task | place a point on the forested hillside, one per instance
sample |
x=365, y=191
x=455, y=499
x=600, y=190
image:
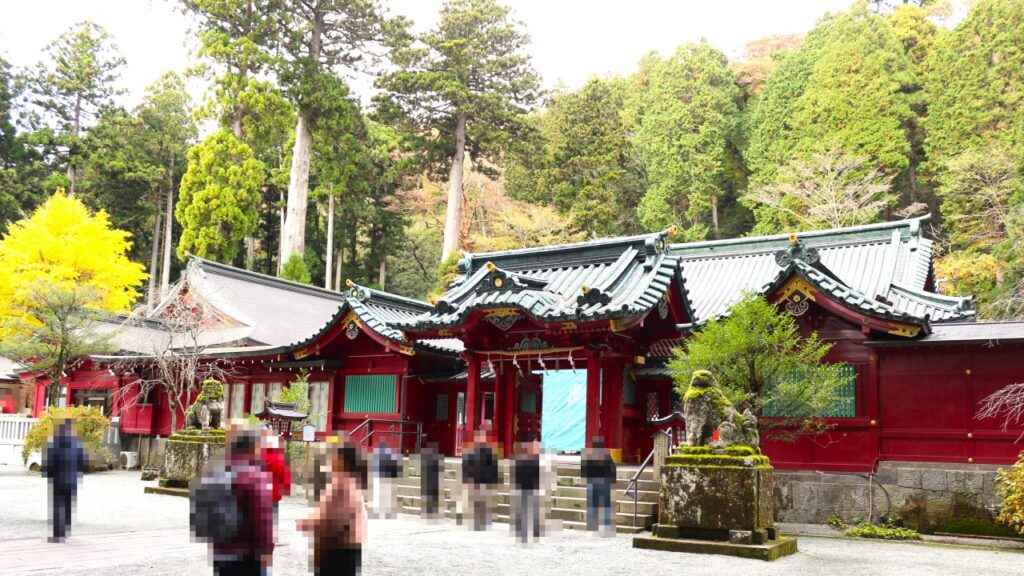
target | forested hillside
x=884, y=111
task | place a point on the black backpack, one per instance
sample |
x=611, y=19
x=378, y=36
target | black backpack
x=215, y=514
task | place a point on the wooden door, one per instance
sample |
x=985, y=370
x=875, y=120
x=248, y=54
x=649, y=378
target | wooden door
x=528, y=407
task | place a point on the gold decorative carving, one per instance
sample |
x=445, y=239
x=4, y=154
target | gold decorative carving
x=906, y=330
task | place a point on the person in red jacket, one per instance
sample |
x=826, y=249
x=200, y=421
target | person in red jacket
x=274, y=462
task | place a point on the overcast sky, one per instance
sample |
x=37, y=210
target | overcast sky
x=571, y=39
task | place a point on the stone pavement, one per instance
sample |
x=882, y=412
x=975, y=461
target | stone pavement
x=119, y=530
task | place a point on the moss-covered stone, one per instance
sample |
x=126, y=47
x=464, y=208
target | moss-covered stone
x=772, y=550
x=716, y=497
x=187, y=457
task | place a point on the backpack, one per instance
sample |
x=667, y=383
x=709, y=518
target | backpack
x=215, y=514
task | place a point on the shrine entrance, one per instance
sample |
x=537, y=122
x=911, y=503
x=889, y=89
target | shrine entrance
x=529, y=407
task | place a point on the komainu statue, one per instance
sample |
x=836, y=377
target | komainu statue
x=205, y=413
x=706, y=408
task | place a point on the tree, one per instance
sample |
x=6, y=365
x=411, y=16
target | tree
x=218, y=196
x=850, y=86
x=982, y=196
x=584, y=161
x=761, y=362
x=320, y=38
x=170, y=352
x=688, y=117
x=974, y=84
x=50, y=328
x=295, y=269
x=166, y=114
x=237, y=40
x=21, y=167
x=73, y=81
x=465, y=86
x=826, y=190
x=64, y=245
x=90, y=426
x=758, y=59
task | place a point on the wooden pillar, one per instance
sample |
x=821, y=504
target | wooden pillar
x=611, y=408
x=505, y=381
x=593, y=396
x=472, y=391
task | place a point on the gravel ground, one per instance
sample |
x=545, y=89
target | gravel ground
x=120, y=530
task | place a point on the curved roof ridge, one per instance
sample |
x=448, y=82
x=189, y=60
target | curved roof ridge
x=390, y=297
x=230, y=271
x=914, y=224
x=934, y=297
x=548, y=251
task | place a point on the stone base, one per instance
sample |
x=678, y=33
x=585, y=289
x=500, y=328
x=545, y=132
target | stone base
x=771, y=550
x=167, y=491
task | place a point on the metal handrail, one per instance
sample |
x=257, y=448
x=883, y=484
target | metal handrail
x=636, y=477
x=369, y=433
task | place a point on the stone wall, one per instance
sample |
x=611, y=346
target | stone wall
x=932, y=497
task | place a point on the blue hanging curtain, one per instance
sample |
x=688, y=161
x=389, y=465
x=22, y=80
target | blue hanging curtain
x=563, y=422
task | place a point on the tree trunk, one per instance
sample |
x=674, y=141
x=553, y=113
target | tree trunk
x=453, y=219
x=154, y=259
x=298, y=192
x=298, y=180
x=236, y=118
x=250, y=252
x=714, y=212
x=329, y=257
x=280, y=240
x=337, y=271
x=165, y=278
x=76, y=127
x=382, y=272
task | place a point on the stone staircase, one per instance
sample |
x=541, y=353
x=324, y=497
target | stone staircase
x=567, y=506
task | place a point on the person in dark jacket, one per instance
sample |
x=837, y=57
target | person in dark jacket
x=598, y=469
x=480, y=475
x=63, y=466
x=526, y=484
x=431, y=467
x=251, y=551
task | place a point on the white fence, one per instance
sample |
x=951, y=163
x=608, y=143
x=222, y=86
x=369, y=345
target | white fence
x=13, y=429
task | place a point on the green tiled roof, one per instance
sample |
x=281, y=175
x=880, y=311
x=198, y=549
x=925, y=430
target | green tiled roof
x=603, y=279
x=888, y=262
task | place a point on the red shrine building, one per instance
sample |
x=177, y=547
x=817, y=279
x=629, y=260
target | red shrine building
x=567, y=343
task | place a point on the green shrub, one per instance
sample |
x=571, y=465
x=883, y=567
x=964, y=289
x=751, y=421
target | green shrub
x=90, y=424
x=882, y=532
x=1010, y=485
x=295, y=269
x=836, y=521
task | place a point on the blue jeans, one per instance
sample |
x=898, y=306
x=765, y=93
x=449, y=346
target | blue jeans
x=599, y=503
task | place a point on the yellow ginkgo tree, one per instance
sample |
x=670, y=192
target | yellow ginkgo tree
x=64, y=245
x=59, y=270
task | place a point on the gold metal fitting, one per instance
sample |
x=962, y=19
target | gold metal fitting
x=874, y=422
x=792, y=238
x=349, y=282
x=490, y=266
x=968, y=371
x=585, y=288
x=970, y=434
x=970, y=460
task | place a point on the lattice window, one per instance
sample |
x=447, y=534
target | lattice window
x=528, y=402
x=441, y=410
x=844, y=405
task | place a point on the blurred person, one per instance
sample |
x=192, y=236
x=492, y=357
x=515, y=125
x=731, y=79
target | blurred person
x=274, y=461
x=63, y=466
x=526, y=497
x=598, y=469
x=233, y=508
x=338, y=524
x=480, y=474
x=386, y=470
x=431, y=467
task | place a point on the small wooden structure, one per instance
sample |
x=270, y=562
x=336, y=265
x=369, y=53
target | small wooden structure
x=281, y=415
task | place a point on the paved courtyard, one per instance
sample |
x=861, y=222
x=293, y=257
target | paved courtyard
x=119, y=530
